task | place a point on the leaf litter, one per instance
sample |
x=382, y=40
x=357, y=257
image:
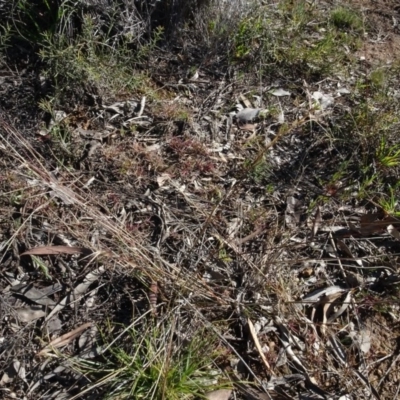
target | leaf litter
x=167, y=221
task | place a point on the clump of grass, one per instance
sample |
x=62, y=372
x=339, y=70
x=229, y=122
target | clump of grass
x=378, y=78
x=27, y=21
x=90, y=59
x=346, y=18
x=369, y=127
x=388, y=155
x=389, y=202
x=150, y=364
x=172, y=111
x=289, y=38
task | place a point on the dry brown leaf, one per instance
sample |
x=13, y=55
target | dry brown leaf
x=221, y=394
x=64, y=339
x=53, y=250
x=374, y=223
x=367, y=219
x=393, y=232
x=30, y=313
x=33, y=294
x=353, y=228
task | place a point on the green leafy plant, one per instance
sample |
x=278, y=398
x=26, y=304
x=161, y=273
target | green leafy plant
x=249, y=32
x=94, y=59
x=5, y=35
x=378, y=78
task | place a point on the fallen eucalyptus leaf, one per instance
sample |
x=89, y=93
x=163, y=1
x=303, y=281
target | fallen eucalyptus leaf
x=221, y=394
x=280, y=92
x=54, y=325
x=247, y=115
x=33, y=294
x=13, y=370
x=316, y=295
x=393, y=232
x=363, y=338
x=29, y=314
x=52, y=250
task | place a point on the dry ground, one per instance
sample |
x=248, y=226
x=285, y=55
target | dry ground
x=157, y=210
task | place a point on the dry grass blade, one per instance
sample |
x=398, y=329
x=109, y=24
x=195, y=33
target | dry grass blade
x=340, y=356
x=258, y=345
x=55, y=250
x=64, y=339
x=316, y=223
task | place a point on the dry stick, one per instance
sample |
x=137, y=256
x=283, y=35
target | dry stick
x=258, y=346
x=388, y=370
